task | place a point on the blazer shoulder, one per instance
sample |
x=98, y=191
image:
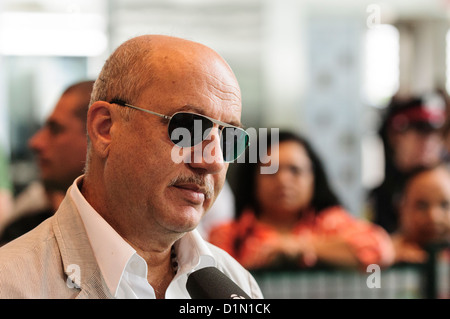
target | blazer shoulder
x=32, y=241
x=31, y=266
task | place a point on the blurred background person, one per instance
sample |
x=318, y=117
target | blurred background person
x=424, y=213
x=6, y=197
x=412, y=136
x=60, y=148
x=446, y=127
x=294, y=219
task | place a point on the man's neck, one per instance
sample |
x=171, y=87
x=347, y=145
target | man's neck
x=153, y=247
x=160, y=270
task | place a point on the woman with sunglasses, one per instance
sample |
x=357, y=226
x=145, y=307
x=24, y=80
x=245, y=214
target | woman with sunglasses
x=293, y=218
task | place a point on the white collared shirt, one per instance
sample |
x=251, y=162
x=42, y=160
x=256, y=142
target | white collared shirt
x=124, y=271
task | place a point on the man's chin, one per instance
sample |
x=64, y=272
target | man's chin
x=188, y=218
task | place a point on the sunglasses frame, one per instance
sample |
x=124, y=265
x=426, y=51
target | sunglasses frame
x=221, y=124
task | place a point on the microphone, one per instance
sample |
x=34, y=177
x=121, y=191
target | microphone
x=211, y=283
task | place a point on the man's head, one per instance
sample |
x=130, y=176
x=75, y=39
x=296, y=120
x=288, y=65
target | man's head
x=425, y=205
x=60, y=145
x=131, y=178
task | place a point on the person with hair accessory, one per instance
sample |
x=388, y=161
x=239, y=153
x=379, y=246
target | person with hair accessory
x=412, y=136
x=293, y=219
x=164, y=122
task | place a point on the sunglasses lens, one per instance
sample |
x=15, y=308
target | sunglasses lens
x=234, y=141
x=188, y=129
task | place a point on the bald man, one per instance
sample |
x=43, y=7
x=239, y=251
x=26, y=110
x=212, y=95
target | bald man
x=163, y=124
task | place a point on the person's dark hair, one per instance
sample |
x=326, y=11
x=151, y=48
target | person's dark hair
x=83, y=91
x=420, y=170
x=323, y=196
x=394, y=104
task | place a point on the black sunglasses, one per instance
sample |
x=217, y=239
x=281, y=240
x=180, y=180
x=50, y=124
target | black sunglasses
x=189, y=129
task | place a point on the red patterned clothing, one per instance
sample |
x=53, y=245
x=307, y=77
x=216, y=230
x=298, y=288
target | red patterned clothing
x=245, y=238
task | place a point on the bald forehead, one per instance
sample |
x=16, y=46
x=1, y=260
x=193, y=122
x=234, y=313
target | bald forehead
x=156, y=70
x=173, y=53
x=161, y=43
x=171, y=59
x=160, y=48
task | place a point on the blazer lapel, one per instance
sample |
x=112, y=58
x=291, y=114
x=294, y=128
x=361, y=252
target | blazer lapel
x=77, y=256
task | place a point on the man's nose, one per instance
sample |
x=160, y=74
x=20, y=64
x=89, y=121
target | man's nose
x=36, y=142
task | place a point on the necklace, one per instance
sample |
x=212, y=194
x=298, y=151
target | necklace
x=173, y=260
x=160, y=287
x=174, y=264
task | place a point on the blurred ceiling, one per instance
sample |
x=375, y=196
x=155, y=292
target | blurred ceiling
x=207, y=8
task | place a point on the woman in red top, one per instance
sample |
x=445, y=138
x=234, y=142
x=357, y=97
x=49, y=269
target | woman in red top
x=293, y=217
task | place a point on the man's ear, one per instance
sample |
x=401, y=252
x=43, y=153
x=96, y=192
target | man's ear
x=99, y=123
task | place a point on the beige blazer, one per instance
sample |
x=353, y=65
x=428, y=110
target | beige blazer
x=55, y=260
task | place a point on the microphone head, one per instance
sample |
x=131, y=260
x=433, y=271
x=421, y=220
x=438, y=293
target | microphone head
x=211, y=283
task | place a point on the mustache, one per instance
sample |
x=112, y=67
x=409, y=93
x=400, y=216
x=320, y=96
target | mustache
x=206, y=184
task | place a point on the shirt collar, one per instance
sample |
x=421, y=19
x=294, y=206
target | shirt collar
x=193, y=253
x=113, y=253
